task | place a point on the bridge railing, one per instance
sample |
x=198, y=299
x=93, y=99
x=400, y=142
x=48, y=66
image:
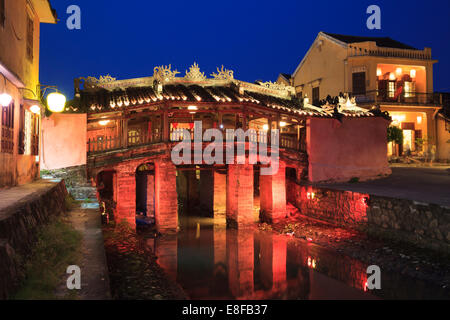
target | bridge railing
x=101, y=144
x=109, y=143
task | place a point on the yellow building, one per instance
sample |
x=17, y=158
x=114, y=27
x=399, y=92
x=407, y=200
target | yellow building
x=377, y=71
x=19, y=78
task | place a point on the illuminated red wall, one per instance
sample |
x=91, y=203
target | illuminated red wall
x=355, y=148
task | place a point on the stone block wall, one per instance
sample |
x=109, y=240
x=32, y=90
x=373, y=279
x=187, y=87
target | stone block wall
x=427, y=225
x=76, y=181
x=343, y=208
x=424, y=225
x=18, y=227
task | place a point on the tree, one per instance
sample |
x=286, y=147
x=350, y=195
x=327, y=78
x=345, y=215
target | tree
x=395, y=135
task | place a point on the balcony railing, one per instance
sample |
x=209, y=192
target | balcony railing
x=390, y=53
x=385, y=96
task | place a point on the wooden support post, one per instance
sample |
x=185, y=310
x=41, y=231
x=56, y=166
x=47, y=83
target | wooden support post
x=165, y=125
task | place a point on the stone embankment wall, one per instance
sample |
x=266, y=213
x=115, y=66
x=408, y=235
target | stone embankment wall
x=424, y=225
x=18, y=227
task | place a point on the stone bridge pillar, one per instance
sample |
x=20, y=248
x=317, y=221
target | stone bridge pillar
x=166, y=202
x=220, y=197
x=239, y=195
x=126, y=195
x=272, y=190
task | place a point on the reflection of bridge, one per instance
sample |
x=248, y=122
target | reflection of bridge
x=134, y=124
x=255, y=265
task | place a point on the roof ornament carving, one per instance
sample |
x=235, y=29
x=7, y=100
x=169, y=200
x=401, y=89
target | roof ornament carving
x=273, y=85
x=101, y=79
x=277, y=86
x=307, y=105
x=164, y=73
x=349, y=104
x=223, y=74
x=194, y=73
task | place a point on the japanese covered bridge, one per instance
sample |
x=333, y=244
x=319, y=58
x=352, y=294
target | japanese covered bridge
x=133, y=125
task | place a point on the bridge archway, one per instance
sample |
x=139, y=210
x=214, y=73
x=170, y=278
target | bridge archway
x=145, y=190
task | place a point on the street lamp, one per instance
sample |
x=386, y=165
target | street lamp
x=5, y=99
x=56, y=102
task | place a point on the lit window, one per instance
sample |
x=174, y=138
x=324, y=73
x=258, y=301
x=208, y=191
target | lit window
x=391, y=89
x=410, y=89
x=133, y=137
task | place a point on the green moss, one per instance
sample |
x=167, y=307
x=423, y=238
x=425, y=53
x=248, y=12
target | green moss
x=69, y=202
x=58, y=246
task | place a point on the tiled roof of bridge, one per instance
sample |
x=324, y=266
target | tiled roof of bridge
x=102, y=100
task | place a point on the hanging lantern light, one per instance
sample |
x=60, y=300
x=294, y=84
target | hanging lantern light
x=5, y=99
x=35, y=109
x=56, y=102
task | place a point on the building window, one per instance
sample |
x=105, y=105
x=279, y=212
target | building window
x=22, y=130
x=7, y=137
x=316, y=96
x=30, y=38
x=29, y=135
x=2, y=13
x=133, y=137
x=410, y=89
x=391, y=89
x=359, y=83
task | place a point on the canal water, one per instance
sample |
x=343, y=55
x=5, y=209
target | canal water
x=211, y=262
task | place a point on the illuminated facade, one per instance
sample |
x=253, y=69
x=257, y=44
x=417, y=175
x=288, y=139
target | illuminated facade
x=377, y=71
x=19, y=78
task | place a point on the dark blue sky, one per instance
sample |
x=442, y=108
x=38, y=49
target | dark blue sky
x=256, y=39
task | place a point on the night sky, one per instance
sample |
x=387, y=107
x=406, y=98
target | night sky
x=256, y=39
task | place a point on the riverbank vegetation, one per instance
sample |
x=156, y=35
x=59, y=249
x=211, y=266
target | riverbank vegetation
x=58, y=245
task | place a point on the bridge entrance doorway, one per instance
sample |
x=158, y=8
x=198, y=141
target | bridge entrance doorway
x=145, y=193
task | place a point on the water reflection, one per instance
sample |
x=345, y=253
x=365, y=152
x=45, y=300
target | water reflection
x=212, y=262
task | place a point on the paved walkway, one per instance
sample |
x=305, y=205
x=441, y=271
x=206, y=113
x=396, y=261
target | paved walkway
x=87, y=220
x=94, y=269
x=16, y=195
x=429, y=185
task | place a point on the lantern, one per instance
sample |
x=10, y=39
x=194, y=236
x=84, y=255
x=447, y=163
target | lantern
x=35, y=109
x=56, y=102
x=5, y=99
